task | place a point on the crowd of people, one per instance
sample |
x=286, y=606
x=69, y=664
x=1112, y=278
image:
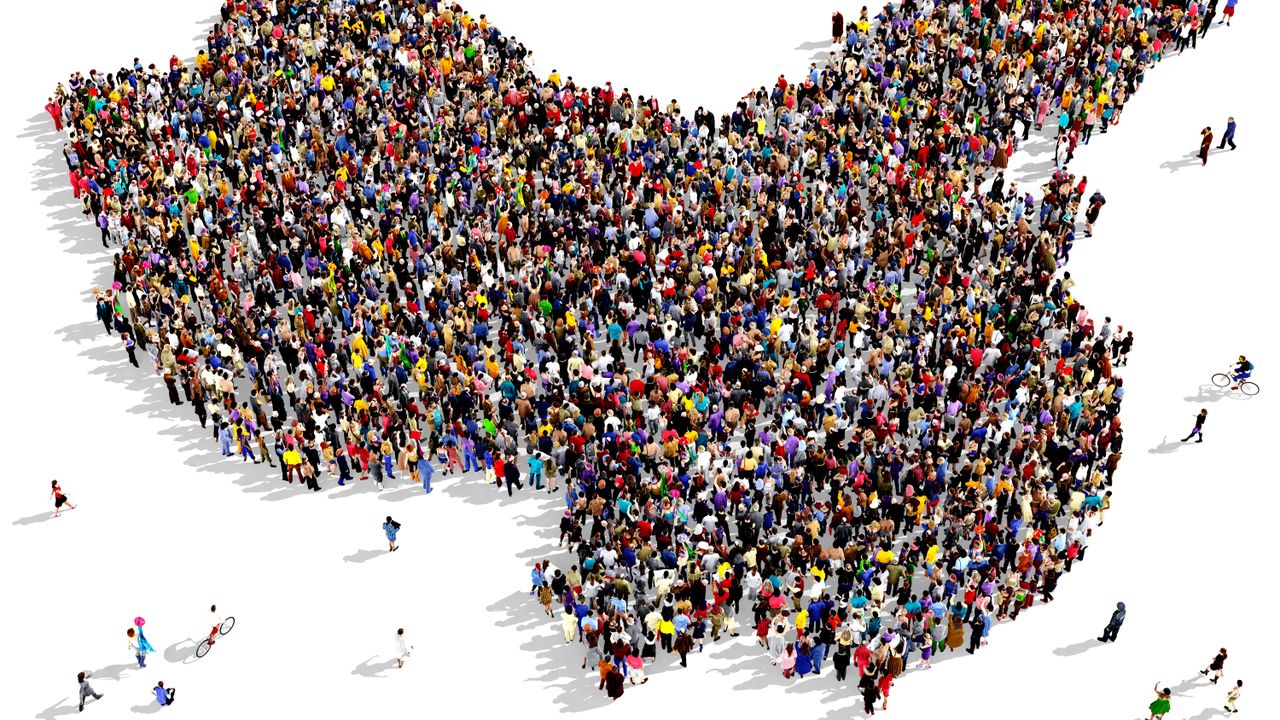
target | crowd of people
x=814, y=362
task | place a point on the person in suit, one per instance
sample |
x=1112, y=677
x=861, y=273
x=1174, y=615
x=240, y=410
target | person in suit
x=1113, y=626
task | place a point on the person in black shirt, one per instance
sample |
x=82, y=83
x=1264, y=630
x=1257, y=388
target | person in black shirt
x=1198, y=430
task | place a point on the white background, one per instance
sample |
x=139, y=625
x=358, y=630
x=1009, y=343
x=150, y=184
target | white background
x=1184, y=256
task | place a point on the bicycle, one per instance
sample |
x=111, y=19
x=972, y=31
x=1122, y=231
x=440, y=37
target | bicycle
x=1246, y=386
x=205, y=645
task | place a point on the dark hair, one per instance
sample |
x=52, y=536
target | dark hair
x=400, y=631
x=80, y=678
x=213, y=608
x=54, y=484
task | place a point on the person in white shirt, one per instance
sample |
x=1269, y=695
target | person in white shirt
x=403, y=648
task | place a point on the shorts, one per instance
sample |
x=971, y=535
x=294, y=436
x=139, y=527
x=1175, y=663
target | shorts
x=1229, y=12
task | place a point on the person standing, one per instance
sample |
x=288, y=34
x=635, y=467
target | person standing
x=1216, y=666
x=60, y=499
x=55, y=111
x=1113, y=626
x=870, y=688
x=1096, y=201
x=1206, y=142
x=130, y=348
x=164, y=695
x=86, y=690
x=1198, y=430
x=837, y=29
x=1229, y=136
x=1232, y=696
x=136, y=648
x=403, y=648
x=425, y=470
x=1229, y=11
x=391, y=527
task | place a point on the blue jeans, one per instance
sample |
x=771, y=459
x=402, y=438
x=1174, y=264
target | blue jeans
x=388, y=464
x=470, y=462
x=142, y=660
x=535, y=479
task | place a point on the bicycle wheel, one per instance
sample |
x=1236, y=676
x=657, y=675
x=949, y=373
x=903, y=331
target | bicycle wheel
x=1221, y=379
x=226, y=626
x=1249, y=388
x=203, y=648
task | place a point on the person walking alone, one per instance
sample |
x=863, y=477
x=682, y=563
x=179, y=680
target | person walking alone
x=403, y=648
x=1232, y=696
x=1113, y=626
x=1229, y=136
x=391, y=527
x=1206, y=142
x=60, y=499
x=1198, y=431
x=86, y=690
x=1216, y=666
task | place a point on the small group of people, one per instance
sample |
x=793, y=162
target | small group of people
x=140, y=648
x=1206, y=139
x=1163, y=704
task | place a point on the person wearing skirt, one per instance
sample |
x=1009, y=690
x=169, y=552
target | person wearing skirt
x=1160, y=705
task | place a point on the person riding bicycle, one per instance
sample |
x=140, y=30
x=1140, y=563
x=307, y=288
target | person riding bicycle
x=217, y=623
x=1242, y=371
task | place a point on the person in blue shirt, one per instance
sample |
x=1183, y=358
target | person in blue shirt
x=164, y=695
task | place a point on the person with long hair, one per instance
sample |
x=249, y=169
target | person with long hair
x=59, y=500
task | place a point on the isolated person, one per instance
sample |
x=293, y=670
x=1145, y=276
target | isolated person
x=1198, y=431
x=1112, y=629
x=1232, y=696
x=215, y=623
x=86, y=690
x=391, y=528
x=164, y=695
x=403, y=648
x=1229, y=135
x=1216, y=666
x=135, y=648
x=1206, y=142
x=1160, y=705
x=59, y=500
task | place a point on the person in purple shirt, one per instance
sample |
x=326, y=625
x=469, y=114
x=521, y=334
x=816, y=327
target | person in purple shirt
x=164, y=695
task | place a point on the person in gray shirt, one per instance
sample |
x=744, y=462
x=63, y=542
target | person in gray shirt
x=86, y=690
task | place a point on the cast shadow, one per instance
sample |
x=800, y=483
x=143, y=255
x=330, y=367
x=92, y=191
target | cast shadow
x=1187, y=160
x=33, y=519
x=57, y=709
x=1078, y=648
x=1166, y=446
x=370, y=669
x=183, y=651
x=363, y=556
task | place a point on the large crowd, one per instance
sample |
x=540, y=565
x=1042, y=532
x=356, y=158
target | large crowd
x=812, y=368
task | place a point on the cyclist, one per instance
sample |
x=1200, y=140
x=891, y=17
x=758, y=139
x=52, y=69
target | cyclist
x=1243, y=370
x=216, y=619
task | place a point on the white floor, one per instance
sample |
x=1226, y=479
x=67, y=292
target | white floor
x=1185, y=256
